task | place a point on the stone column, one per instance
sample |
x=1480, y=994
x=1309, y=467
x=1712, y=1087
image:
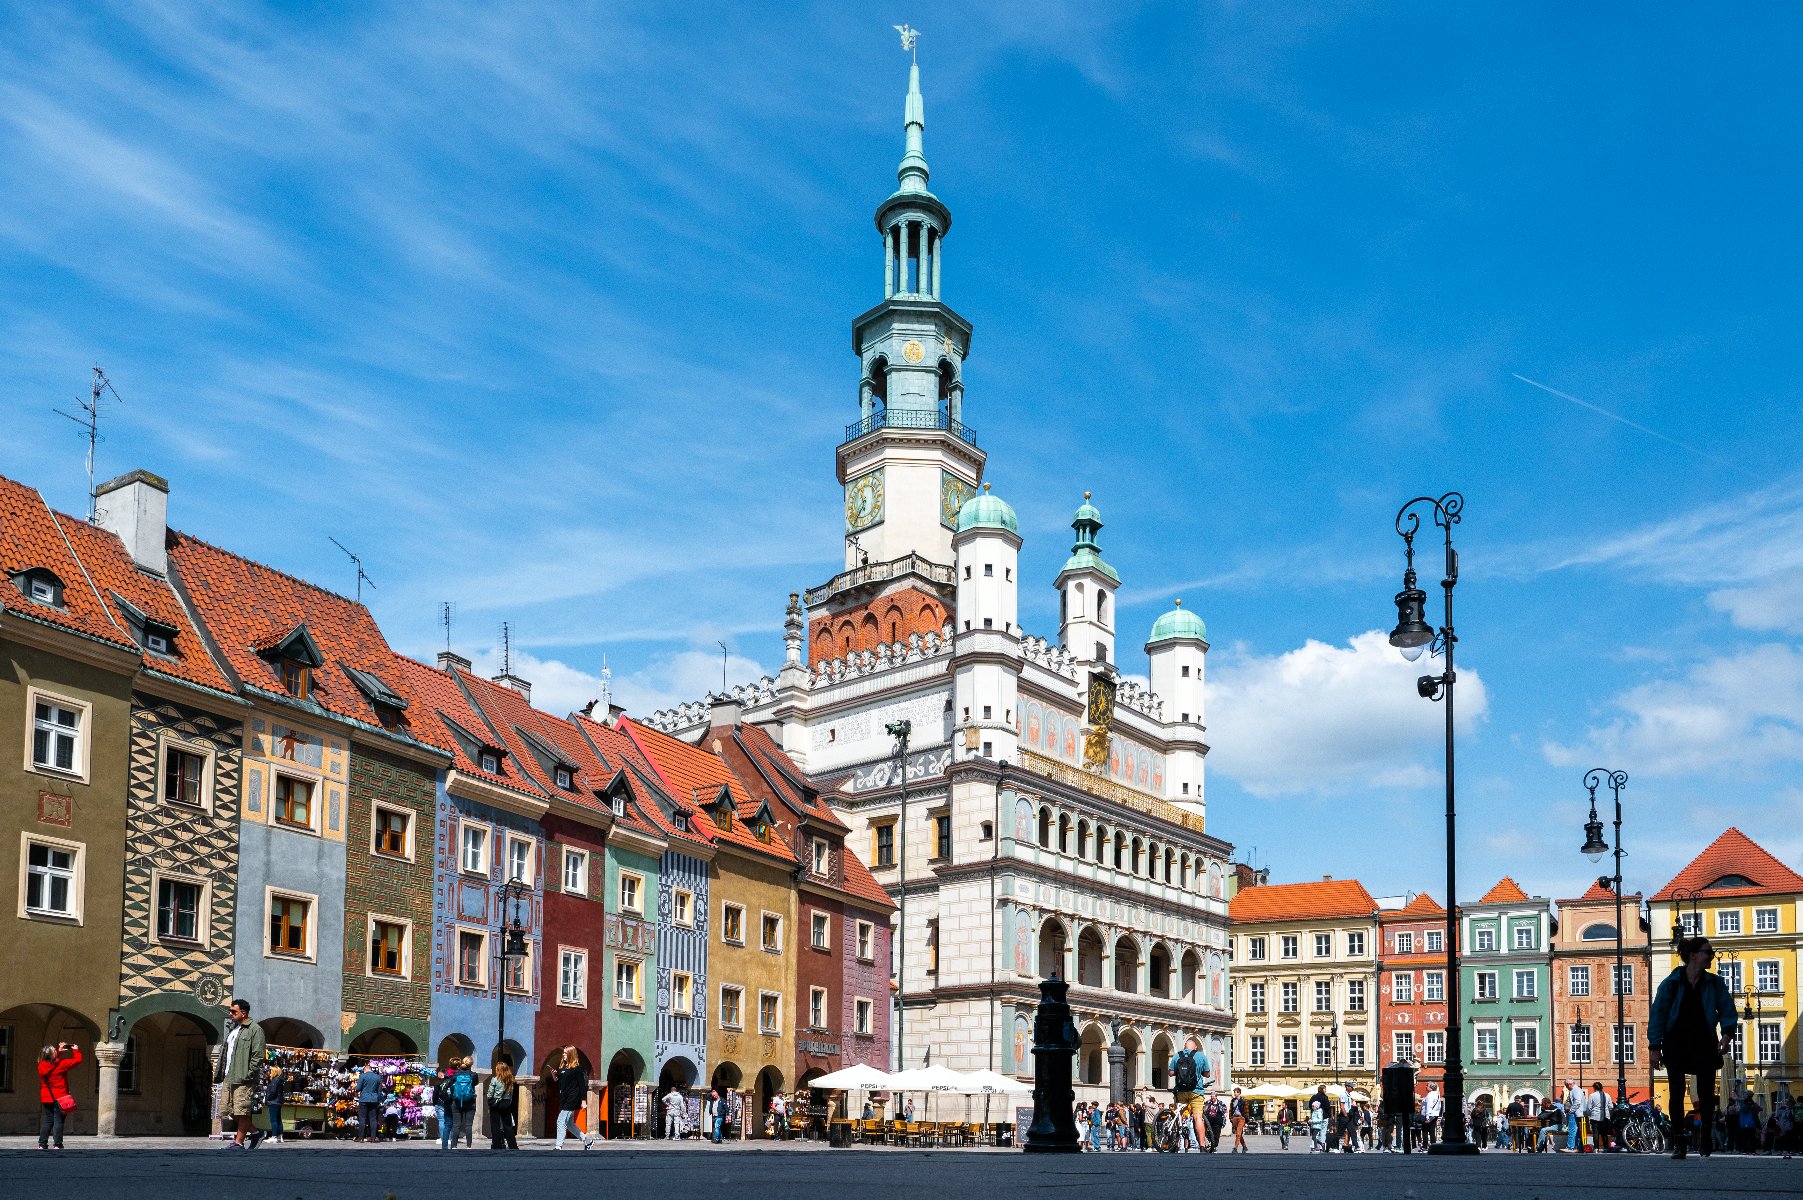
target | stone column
x=1117, y=1068
x=888, y=262
x=479, y=1117
x=523, y=1115
x=106, y=1108
x=938, y=253
x=926, y=258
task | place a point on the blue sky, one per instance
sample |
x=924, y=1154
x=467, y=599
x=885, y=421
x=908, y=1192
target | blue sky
x=547, y=312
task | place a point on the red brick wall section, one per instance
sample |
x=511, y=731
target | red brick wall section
x=889, y=618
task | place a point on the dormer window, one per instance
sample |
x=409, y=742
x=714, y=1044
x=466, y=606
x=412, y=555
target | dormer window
x=297, y=677
x=157, y=643
x=40, y=585
x=564, y=779
x=490, y=762
x=619, y=806
x=294, y=656
x=681, y=821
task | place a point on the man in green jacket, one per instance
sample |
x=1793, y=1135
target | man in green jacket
x=240, y=1069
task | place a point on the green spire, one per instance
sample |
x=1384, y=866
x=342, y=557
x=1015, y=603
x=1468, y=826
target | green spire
x=1087, y=552
x=912, y=175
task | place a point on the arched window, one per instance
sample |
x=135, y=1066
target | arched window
x=1102, y=606
x=1064, y=835
x=1152, y=861
x=1102, y=844
x=1597, y=933
x=1137, y=849
x=1045, y=827
x=879, y=382
x=1082, y=839
x=1120, y=851
x=1183, y=880
x=1170, y=865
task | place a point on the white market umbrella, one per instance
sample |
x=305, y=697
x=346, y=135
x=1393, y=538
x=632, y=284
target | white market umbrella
x=993, y=1082
x=1268, y=1091
x=928, y=1080
x=858, y=1077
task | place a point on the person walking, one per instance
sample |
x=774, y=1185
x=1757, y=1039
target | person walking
x=673, y=1106
x=239, y=1068
x=1597, y=1111
x=369, y=1102
x=54, y=1101
x=1317, y=1120
x=1190, y=1073
x=716, y=1114
x=463, y=1103
x=441, y=1100
x=1691, y=1026
x=1432, y=1106
x=503, y=1107
x=275, y=1094
x=1236, y=1115
x=1573, y=1100
x=572, y=1094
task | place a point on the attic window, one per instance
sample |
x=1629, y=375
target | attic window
x=157, y=643
x=296, y=676
x=564, y=779
x=681, y=821
x=763, y=832
x=40, y=586
x=1730, y=881
x=490, y=762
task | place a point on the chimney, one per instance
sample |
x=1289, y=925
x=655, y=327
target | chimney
x=508, y=679
x=722, y=710
x=135, y=507
x=450, y=660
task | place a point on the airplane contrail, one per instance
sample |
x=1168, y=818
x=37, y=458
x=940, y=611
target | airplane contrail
x=1617, y=417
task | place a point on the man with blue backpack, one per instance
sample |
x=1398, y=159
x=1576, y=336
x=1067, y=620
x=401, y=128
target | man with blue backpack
x=1190, y=1074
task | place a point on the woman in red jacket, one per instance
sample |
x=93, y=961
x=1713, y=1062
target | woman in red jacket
x=54, y=1065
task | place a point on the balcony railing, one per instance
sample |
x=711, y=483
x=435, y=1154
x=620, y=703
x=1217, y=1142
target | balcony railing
x=910, y=418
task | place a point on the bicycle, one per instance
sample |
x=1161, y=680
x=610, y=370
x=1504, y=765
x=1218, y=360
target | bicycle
x=1639, y=1133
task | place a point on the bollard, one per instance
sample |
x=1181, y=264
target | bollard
x=1054, y=1128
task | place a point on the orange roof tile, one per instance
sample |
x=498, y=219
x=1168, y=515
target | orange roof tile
x=696, y=776
x=1734, y=854
x=1506, y=891
x=442, y=703
x=1302, y=901
x=619, y=752
x=1421, y=906
x=31, y=536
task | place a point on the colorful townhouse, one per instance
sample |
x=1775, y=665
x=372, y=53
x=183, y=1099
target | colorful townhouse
x=1304, y=966
x=1588, y=1042
x=1411, y=989
x=1748, y=903
x=1504, y=999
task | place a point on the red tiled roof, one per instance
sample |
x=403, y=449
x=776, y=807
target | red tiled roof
x=441, y=703
x=111, y=568
x=593, y=772
x=1422, y=906
x=1734, y=853
x=697, y=776
x=1302, y=901
x=244, y=604
x=786, y=781
x=1506, y=891
x=620, y=752
x=31, y=536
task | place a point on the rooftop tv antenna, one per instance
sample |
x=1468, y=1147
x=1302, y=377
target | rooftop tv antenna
x=362, y=575
x=447, y=611
x=722, y=646
x=89, y=420
x=506, y=648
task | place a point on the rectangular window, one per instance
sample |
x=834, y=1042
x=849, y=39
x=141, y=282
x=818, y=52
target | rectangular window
x=1433, y=987
x=817, y=1008
x=632, y=892
x=1486, y=1047
x=942, y=837
x=932, y=945
x=1323, y=1050
x=682, y=992
x=1527, y=1043
x=1402, y=1045
x=1436, y=941
x=1486, y=985
x=1291, y=1056
x=184, y=777
x=128, y=1068
x=474, y=856
x=1355, y=1049
x=519, y=859
x=1288, y=1000
x=1405, y=944
x=732, y=1007
x=821, y=855
x=387, y=947
x=572, y=977
x=1485, y=937
x=1355, y=944
x=1771, y=1042
x=294, y=802
x=297, y=678
x=472, y=958
x=1355, y=995
x=1625, y=1044
x=1766, y=977
x=1526, y=985
x=628, y=983
x=1580, y=1045
x=1255, y=949
x=289, y=918
x=1624, y=980
x=1324, y=945
x=1255, y=997
x=56, y=737
x=1288, y=946
x=518, y=976
x=52, y=874
x=1731, y=975
x=1524, y=937
x=1402, y=987
x=772, y=933
x=883, y=847
x=732, y=923
x=866, y=942
x=1433, y=1046
x=1691, y=923
x=1737, y=1051
x=819, y=931
x=1727, y=920
x=770, y=1013
x=862, y=1011
x=682, y=907
x=1258, y=1050
x=1577, y=980
x=393, y=831
x=1323, y=996
x=1765, y=920
x=178, y=910
x=575, y=871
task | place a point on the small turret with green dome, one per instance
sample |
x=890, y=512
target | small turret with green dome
x=984, y=511
x=1176, y=625
x=1086, y=554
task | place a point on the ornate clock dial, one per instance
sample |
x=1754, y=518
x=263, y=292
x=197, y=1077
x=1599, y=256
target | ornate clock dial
x=913, y=352
x=864, y=501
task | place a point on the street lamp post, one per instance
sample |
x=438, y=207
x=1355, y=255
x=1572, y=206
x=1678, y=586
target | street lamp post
x=899, y=730
x=1594, y=849
x=1334, y=1033
x=512, y=938
x=1412, y=636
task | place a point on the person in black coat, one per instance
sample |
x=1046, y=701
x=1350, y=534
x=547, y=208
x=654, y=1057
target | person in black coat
x=275, y=1094
x=1692, y=1004
x=572, y=1095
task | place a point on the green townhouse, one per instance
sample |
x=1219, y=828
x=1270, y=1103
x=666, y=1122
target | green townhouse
x=1506, y=995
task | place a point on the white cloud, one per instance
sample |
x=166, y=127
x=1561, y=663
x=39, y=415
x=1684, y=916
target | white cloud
x=1328, y=719
x=1773, y=604
x=1741, y=711
x=560, y=688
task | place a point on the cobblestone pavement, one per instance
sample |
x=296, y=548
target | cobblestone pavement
x=154, y=1168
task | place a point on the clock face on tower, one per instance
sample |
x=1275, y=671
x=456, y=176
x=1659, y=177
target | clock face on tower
x=863, y=501
x=953, y=492
x=914, y=352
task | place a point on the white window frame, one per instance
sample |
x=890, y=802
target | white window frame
x=572, y=976
x=1580, y=1045
x=682, y=993
x=577, y=858
x=1435, y=941
x=1355, y=1049
x=1632, y=1041
x=1324, y=945
x=1725, y=925
x=1289, y=946
x=1577, y=980
x=1402, y=1045
x=1255, y=998
x=1528, y=976
x=465, y=827
x=203, y=916
x=1760, y=975
x=764, y=918
x=1355, y=943
x=482, y=959
x=774, y=1029
x=637, y=905
x=526, y=971
x=817, y=1002
x=205, y=751
x=727, y=1021
x=1255, y=1050
x=376, y=809
x=820, y=931
x=1516, y=1031
x=1405, y=943
x=270, y=895
x=84, y=725
x=1433, y=987
x=1402, y=987
x=1323, y=1050
x=1524, y=936
x=1477, y=1042
x=1690, y=924
x=1481, y=934
x=863, y=1015
x=1774, y=1044
x=1765, y=920
x=77, y=879
x=681, y=899
x=530, y=875
x=726, y=907
x=1625, y=976
x=821, y=856
x=1255, y=949
x=866, y=944
x=564, y=778
x=1289, y=997
x=1479, y=990
x=636, y=1001
x=370, y=972
x=484, y=757
x=1290, y=1050
x=1323, y=995
x=1355, y=995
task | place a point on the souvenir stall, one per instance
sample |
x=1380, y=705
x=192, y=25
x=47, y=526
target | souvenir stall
x=322, y=1092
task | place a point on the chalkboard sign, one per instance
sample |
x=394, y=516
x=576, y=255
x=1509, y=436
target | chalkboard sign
x=1023, y=1117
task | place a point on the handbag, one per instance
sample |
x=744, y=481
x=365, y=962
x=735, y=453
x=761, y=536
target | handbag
x=66, y=1102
